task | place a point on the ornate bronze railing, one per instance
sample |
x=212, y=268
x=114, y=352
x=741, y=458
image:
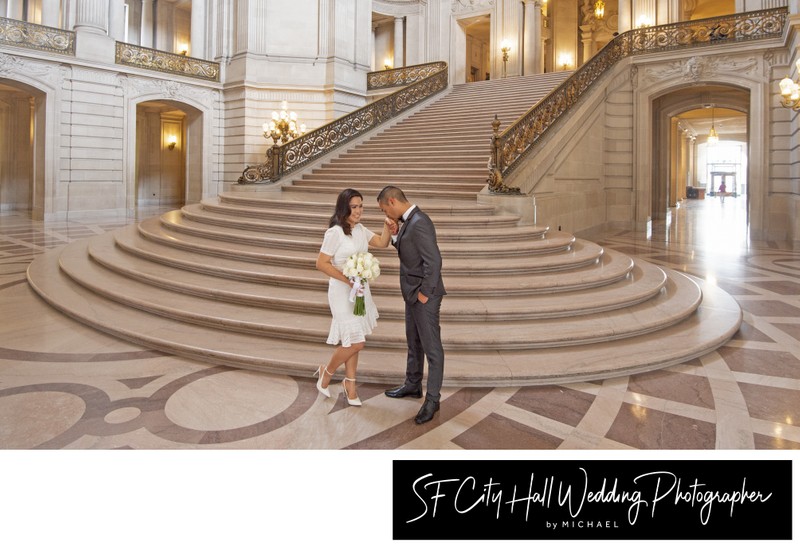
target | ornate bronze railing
x=27, y=35
x=283, y=159
x=402, y=76
x=163, y=61
x=509, y=147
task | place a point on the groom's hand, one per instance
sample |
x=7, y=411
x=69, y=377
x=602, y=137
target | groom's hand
x=422, y=298
x=392, y=225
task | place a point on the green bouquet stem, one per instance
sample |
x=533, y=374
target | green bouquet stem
x=359, y=309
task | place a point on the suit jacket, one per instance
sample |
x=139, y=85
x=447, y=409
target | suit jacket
x=420, y=259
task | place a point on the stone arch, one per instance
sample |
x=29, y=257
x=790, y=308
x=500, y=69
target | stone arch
x=39, y=162
x=195, y=144
x=742, y=74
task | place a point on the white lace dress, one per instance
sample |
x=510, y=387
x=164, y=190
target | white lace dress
x=346, y=327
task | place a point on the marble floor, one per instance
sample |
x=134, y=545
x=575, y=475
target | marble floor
x=63, y=385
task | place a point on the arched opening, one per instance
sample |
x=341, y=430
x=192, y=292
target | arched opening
x=688, y=166
x=169, y=160
x=22, y=128
x=471, y=59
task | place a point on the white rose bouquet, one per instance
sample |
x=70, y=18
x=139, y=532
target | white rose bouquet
x=360, y=268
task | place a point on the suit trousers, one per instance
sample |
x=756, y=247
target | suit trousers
x=424, y=337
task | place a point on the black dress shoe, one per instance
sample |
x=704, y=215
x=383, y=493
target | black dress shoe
x=427, y=411
x=404, y=391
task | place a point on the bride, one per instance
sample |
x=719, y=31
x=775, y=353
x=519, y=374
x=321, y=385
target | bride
x=345, y=237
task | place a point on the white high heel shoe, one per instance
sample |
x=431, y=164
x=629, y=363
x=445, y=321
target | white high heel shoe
x=355, y=402
x=324, y=391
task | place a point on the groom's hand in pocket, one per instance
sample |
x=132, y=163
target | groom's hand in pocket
x=422, y=298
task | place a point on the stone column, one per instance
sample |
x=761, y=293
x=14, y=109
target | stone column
x=624, y=17
x=91, y=31
x=116, y=20
x=398, y=42
x=198, y=32
x=588, y=42
x=14, y=9
x=532, y=39
x=50, y=10
x=146, y=39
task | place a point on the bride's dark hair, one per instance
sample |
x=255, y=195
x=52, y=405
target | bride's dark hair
x=342, y=211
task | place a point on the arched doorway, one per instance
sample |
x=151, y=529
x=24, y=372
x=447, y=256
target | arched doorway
x=686, y=164
x=169, y=166
x=22, y=123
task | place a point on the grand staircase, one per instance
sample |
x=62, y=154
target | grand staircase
x=232, y=280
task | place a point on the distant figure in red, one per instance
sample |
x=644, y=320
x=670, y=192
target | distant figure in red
x=722, y=191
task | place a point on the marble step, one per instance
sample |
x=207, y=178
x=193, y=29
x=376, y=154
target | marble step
x=284, y=201
x=358, y=169
x=611, y=268
x=470, y=161
x=715, y=322
x=674, y=303
x=374, y=218
x=414, y=195
x=249, y=219
x=582, y=253
x=644, y=282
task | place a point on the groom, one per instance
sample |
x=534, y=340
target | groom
x=423, y=289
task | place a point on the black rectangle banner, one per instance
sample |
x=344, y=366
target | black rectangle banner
x=592, y=499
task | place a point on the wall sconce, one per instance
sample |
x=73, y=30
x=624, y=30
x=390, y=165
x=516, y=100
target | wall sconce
x=599, y=9
x=644, y=21
x=172, y=140
x=505, y=48
x=565, y=60
x=184, y=49
x=387, y=64
x=790, y=91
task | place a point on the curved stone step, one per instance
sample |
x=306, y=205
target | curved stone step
x=714, y=323
x=645, y=282
x=611, y=268
x=367, y=188
x=677, y=301
x=253, y=233
x=582, y=253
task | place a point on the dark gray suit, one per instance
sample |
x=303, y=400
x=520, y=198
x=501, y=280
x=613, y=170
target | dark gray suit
x=421, y=271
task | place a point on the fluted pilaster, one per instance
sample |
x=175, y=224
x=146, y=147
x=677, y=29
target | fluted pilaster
x=398, y=42
x=92, y=16
x=50, y=9
x=116, y=19
x=198, y=31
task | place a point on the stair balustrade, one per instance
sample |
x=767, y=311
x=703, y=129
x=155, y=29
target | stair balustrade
x=164, y=61
x=402, y=76
x=28, y=35
x=283, y=159
x=517, y=140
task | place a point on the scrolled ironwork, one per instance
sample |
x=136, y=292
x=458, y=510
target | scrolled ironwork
x=402, y=76
x=284, y=159
x=163, y=61
x=27, y=35
x=520, y=137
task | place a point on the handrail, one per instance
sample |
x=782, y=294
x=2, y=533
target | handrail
x=510, y=146
x=283, y=159
x=28, y=35
x=402, y=76
x=165, y=61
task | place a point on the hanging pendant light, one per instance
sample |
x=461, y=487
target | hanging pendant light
x=713, y=138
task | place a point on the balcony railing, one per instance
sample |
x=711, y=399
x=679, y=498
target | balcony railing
x=510, y=147
x=402, y=76
x=27, y=35
x=163, y=61
x=283, y=159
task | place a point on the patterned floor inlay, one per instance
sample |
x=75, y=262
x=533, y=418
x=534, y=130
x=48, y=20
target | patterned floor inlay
x=63, y=385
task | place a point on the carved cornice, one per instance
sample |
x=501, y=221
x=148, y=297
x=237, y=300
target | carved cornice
x=460, y=6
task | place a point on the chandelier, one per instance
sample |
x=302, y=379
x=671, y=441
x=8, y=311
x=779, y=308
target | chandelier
x=713, y=138
x=790, y=91
x=283, y=126
x=599, y=9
